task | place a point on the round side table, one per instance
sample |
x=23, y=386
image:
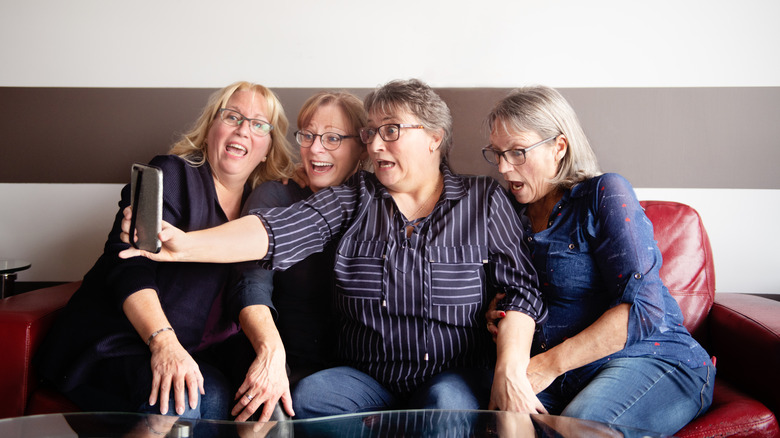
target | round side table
x=8, y=270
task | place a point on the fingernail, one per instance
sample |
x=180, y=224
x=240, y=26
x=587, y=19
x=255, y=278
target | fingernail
x=503, y=314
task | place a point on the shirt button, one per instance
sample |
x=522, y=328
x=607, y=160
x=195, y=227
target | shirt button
x=544, y=346
x=530, y=239
x=549, y=224
x=638, y=276
x=571, y=246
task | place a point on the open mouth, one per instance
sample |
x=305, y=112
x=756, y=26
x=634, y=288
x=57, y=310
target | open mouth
x=320, y=166
x=382, y=164
x=515, y=186
x=236, y=150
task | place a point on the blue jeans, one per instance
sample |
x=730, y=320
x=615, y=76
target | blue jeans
x=648, y=393
x=344, y=390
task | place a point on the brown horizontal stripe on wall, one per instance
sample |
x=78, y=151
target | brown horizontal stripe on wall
x=656, y=137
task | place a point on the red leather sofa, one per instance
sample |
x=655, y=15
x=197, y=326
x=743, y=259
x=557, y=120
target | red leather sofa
x=741, y=331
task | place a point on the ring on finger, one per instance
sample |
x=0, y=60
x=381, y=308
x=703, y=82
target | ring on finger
x=249, y=397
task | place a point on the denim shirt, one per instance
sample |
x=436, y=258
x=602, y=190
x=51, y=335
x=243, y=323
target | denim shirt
x=598, y=252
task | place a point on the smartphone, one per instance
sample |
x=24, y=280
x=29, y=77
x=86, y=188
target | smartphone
x=146, y=202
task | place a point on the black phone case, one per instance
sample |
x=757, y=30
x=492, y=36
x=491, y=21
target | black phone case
x=146, y=201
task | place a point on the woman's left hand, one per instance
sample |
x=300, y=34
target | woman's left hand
x=513, y=392
x=494, y=316
x=266, y=383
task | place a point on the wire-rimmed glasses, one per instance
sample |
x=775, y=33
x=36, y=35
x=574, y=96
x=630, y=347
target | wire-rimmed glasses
x=515, y=157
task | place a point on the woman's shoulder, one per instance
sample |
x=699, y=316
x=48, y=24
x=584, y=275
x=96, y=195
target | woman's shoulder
x=276, y=194
x=176, y=168
x=606, y=182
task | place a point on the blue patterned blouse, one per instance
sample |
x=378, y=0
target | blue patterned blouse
x=597, y=252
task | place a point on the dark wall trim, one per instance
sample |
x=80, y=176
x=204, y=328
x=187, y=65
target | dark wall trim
x=656, y=137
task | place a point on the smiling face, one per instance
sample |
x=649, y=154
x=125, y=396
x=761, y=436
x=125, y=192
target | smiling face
x=528, y=182
x=326, y=168
x=235, y=151
x=408, y=163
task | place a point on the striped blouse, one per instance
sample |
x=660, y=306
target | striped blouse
x=411, y=307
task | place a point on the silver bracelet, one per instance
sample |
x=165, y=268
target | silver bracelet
x=164, y=329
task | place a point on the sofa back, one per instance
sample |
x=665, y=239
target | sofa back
x=688, y=270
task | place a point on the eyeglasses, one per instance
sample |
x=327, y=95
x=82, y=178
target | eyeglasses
x=388, y=132
x=234, y=118
x=330, y=140
x=512, y=156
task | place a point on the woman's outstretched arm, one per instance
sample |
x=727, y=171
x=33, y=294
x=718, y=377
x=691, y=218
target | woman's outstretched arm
x=240, y=240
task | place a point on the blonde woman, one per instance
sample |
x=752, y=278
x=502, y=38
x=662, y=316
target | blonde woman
x=144, y=336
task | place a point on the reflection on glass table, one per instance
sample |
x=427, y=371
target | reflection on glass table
x=412, y=423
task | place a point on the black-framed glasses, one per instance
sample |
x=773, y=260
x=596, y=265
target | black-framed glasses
x=388, y=132
x=512, y=156
x=330, y=140
x=232, y=117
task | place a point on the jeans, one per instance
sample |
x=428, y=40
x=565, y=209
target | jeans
x=344, y=390
x=648, y=393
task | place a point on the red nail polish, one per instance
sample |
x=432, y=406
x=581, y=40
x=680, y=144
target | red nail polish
x=503, y=314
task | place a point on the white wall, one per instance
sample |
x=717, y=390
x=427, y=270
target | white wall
x=61, y=229
x=567, y=43
x=340, y=43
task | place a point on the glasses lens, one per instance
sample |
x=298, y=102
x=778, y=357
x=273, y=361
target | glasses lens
x=515, y=156
x=367, y=134
x=260, y=127
x=304, y=138
x=491, y=156
x=331, y=140
x=389, y=132
x=230, y=117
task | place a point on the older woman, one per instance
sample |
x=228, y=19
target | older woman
x=614, y=348
x=138, y=333
x=331, y=151
x=420, y=253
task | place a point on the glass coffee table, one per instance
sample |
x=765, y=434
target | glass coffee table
x=411, y=423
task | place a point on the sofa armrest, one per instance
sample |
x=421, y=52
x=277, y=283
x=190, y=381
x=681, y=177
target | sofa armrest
x=745, y=339
x=24, y=321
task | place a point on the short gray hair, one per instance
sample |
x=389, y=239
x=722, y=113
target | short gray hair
x=544, y=110
x=419, y=99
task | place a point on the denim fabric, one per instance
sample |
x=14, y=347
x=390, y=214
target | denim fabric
x=597, y=252
x=647, y=393
x=345, y=390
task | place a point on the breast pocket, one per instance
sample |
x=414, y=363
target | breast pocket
x=360, y=268
x=570, y=270
x=457, y=283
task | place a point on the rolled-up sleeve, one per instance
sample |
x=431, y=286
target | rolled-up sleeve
x=511, y=268
x=628, y=257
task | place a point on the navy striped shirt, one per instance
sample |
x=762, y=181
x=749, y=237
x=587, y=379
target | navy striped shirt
x=411, y=307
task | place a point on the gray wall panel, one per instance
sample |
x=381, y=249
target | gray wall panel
x=656, y=137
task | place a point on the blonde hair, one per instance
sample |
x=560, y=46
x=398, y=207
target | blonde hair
x=544, y=110
x=419, y=99
x=279, y=163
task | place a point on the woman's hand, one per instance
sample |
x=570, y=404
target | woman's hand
x=494, y=316
x=512, y=391
x=173, y=368
x=265, y=383
x=174, y=241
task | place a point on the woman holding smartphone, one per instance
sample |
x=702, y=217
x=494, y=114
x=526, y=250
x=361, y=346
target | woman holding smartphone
x=148, y=337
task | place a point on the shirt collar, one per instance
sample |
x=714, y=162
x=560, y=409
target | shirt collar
x=453, y=185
